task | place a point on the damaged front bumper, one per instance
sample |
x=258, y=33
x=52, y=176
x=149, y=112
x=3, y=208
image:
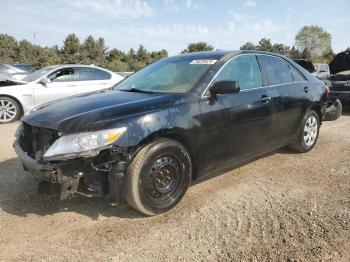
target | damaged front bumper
x=80, y=176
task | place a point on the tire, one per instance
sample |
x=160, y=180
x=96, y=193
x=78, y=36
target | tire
x=10, y=110
x=308, y=133
x=158, y=177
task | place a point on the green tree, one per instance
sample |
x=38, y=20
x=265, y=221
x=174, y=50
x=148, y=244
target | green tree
x=71, y=49
x=142, y=54
x=248, y=46
x=306, y=54
x=118, y=66
x=265, y=45
x=25, y=52
x=327, y=56
x=8, y=48
x=93, y=51
x=156, y=55
x=281, y=49
x=197, y=47
x=294, y=53
x=115, y=54
x=315, y=39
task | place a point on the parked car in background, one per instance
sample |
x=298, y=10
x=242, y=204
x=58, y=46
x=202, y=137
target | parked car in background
x=50, y=83
x=16, y=71
x=174, y=121
x=322, y=71
x=24, y=67
x=339, y=82
x=306, y=64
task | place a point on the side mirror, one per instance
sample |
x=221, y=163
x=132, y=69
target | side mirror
x=45, y=81
x=224, y=87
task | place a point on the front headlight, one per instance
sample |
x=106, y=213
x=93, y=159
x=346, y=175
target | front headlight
x=83, y=145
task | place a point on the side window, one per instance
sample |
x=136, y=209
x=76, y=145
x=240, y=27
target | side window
x=276, y=69
x=244, y=69
x=90, y=74
x=297, y=76
x=63, y=75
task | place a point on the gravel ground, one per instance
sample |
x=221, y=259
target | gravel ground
x=283, y=206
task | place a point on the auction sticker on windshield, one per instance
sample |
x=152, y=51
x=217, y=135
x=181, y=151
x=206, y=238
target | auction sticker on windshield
x=203, y=62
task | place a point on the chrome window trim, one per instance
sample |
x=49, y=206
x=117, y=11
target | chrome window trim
x=254, y=54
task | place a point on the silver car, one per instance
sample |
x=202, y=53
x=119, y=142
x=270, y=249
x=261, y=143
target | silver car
x=50, y=83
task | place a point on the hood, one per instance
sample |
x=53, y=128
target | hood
x=6, y=80
x=96, y=111
x=341, y=62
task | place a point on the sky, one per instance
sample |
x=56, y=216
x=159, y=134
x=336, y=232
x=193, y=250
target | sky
x=172, y=24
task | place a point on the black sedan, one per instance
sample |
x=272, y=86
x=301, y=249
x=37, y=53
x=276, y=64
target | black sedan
x=172, y=122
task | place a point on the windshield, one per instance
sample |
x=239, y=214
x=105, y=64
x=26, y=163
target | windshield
x=174, y=75
x=37, y=74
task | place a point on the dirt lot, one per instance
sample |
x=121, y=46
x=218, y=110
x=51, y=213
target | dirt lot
x=283, y=206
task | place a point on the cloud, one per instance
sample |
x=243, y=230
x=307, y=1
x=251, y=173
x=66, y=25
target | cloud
x=250, y=3
x=116, y=9
x=169, y=5
x=190, y=4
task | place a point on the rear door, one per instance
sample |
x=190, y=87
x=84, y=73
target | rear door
x=236, y=126
x=92, y=79
x=290, y=94
x=62, y=83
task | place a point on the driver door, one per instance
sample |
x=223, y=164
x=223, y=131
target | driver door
x=61, y=83
x=237, y=126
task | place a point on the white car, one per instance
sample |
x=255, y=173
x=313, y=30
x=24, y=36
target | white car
x=50, y=83
x=322, y=71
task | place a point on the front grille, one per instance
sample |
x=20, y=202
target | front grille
x=36, y=140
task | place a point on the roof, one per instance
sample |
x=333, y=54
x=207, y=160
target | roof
x=221, y=53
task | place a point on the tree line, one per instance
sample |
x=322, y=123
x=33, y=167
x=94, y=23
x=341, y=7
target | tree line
x=90, y=51
x=311, y=42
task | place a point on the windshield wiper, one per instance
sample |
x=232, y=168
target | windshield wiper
x=137, y=90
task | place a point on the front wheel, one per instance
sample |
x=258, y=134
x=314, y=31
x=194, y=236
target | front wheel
x=308, y=133
x=158, y=177
x=9, y=110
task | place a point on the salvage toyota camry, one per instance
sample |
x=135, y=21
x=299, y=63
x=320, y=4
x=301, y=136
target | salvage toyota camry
x=172, y=122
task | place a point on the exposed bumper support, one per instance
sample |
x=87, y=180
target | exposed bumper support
x=68, y=175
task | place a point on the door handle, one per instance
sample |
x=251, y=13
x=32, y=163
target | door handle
x=306, y=89
x=265, y=99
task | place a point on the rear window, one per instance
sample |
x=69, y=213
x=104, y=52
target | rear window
x=89, y=74
x=276, y=70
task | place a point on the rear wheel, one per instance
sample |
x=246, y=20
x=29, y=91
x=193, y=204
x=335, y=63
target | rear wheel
x=9, y=110
x=158, y=177
x=308, y=133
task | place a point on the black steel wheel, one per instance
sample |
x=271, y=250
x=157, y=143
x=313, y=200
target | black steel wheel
x=159, y=177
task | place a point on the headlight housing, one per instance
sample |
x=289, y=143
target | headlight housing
x=86, y=144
